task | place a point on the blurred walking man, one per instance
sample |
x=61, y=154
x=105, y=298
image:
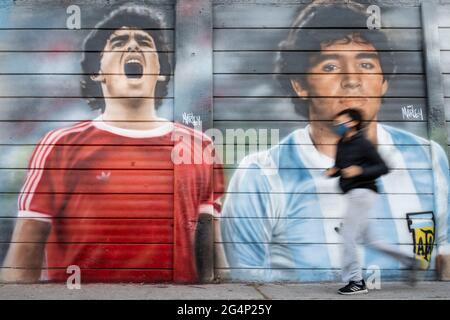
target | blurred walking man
x=358, y=165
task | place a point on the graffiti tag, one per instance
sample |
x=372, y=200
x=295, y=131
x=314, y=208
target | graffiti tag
x=412, y=113
x=189, y=118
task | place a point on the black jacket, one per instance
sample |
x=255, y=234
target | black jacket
x=359, y=151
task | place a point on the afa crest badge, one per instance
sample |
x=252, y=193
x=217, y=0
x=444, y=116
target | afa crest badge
x=422, y=228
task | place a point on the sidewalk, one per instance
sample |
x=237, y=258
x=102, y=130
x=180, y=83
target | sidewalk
x=390, y=290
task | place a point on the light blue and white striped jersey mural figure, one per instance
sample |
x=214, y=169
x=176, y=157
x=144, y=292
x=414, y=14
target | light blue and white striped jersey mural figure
x=280, y=225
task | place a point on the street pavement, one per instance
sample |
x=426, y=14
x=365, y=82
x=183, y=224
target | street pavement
x=228, y=291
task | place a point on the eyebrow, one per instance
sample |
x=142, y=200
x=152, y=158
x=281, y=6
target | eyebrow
x=139, y=37
x=143, y=37
x=367, y=55
x=334, y=56
x=323, y=57
x=115, y=37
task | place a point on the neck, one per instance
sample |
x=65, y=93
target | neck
x=325, y=139
x=350, y=134
x=135, y=114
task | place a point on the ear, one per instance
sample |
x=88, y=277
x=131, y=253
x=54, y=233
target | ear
x=98, y=78
x=299, y=89
x=385, y=87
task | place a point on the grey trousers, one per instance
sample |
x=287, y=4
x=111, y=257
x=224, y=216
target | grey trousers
x=357, y=228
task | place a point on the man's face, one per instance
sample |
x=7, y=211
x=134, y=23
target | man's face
x=345, y=74
x=129, y=64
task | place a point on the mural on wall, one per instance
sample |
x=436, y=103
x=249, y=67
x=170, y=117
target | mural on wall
x=281, y=222
x=97, y=176
x=109, y=196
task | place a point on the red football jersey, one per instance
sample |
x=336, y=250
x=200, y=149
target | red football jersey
x=120, y=208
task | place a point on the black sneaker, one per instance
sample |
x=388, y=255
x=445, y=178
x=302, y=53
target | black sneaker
x=354, y=288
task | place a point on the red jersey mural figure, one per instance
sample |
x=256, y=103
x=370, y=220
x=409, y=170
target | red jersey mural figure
x=109, y=195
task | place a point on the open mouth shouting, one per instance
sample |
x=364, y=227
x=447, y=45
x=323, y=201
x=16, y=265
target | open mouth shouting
x=133, y=68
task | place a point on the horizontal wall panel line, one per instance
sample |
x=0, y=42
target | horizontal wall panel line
x=77, y=29
x=307, y=243
x=89, y=193
x=303, y=50
x=90, y=145
x=171, y=145
x=79, y=97
x=171, y=169
x=226, y=50
x=298, y=98
x=219, y=217
x=269, y=39
x=171, y=193
x=324, y=193
x=221, y=120
x=313, y=28
x=320, y=169
x=314, y=269
x=235, y=166
x=307, y=121
x=87, y=242
x=75, y=74
x=171, y=243
x=297, y=73
x=157, y=121
x=289, y=96
x=76, y=51
x=82, y=268
x=226, y=119
x=384, y=4
x=81, y=120
x=287, y=127
x=307, y=218
x=291, y=144
x=90, y=169
x=113, y=218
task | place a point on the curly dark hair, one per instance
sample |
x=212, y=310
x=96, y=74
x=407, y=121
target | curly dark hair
x=131, y=16
x=348, y=18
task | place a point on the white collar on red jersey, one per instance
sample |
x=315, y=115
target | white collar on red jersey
x=163, y=129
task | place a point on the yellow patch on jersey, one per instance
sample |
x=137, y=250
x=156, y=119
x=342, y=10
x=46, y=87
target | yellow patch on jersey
x=422, y=228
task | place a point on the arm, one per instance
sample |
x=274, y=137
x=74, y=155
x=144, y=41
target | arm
x=246, y=224
x=377, y=165
x=204, y=247
x=37, y=204
x=23, y=262
x=212, y=189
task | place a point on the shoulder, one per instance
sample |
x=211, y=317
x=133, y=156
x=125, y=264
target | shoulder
x=400, y=136
x=58, y=135
x=281, y=154
x=45, y=149
x=365, y=142
x=197, y=135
